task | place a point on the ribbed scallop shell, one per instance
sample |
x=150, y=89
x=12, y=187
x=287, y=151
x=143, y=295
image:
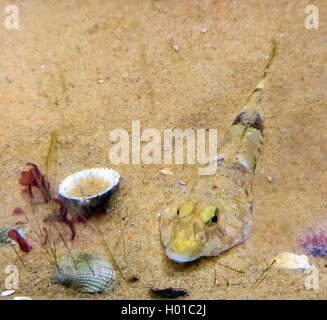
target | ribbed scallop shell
x=87, y=273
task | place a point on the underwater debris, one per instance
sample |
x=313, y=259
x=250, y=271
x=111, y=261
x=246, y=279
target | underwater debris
x=166, y=172
x=62, y=216
x=17, y=212
x=52, y=159
x=263, y=274
x=133, y=278
x=290, y=260
x=63, y=212
x=85, y=273
x=89, y=187
x=168, y=293
x=7, y=293
x=34, y=178
x=81, y=219
x=22, y=298
x=85, y=212
x=313, y=241
x=315, y=244
x=219, y=159
x=23, y=245
x=269, y=179
x=46, y=236
x=175, y=47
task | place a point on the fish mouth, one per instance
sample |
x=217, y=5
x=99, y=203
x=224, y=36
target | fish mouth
x=187, y=242
x=180, y=258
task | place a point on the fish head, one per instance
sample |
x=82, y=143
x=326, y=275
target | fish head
x=189, y=231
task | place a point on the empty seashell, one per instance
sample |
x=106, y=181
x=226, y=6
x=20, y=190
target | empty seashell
x=85, y=273
x=22, y=298
x=89, y=187
x=290, y=260
x=7, y=293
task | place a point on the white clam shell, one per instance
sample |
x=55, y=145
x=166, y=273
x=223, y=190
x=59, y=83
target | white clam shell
x=7, y=293
x=106, y=175
x=290, y=260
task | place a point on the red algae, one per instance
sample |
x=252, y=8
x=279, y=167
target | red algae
x=46, y=236
x=17, y=212
x=81, y=219
x=23, y=245
x=34, y=178
x=63, y=212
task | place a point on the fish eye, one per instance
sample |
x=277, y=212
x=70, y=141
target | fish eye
x=209, y=214
x=177, y=211
x=214, y=218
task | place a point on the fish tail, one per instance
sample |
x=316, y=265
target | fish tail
x=256, y=93
x=250, y=116
x=243, y=139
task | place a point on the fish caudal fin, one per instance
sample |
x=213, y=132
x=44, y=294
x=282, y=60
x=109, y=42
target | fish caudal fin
x=250, y=116
x=255, y=95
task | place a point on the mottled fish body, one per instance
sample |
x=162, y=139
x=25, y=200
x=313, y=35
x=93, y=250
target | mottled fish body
x=216, y=214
